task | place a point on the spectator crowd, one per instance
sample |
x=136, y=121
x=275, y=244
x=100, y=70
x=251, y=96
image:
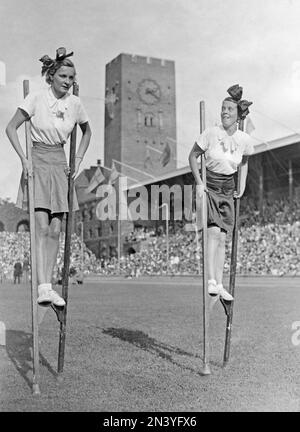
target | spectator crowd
x=15, y=248
x=268, y=245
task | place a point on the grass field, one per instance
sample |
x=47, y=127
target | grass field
x=136, y=345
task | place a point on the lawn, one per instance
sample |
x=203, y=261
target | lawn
x=136, y=345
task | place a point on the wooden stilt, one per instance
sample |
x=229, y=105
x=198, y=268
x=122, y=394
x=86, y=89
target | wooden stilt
x=62, y=312
x=229, y=305
x=34, y=305
x=205, y=365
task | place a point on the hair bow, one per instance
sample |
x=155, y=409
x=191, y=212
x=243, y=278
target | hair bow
x=236, y=93
x=61, y=54
x=48, y=62
x=243, y=108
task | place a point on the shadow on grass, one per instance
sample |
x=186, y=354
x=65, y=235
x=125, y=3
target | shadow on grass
x=141, y=340
x=19, y=349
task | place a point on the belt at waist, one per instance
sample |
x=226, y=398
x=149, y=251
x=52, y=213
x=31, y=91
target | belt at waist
x=220, y=183
x=41, y=145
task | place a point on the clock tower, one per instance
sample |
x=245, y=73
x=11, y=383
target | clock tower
x=140, y=116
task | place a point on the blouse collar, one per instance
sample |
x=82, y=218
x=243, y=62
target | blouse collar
x=57, y=106
x=229, y=142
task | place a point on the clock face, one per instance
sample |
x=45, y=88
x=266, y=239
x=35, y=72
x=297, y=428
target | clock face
x=149, y=91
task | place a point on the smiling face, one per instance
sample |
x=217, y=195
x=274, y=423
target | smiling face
x=229, y=114
x=62, y=80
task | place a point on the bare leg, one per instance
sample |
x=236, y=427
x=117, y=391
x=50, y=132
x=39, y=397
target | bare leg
x=41, y=240
x=47, y=241
x=213, y=238
x=220, y=257
x=53, y=244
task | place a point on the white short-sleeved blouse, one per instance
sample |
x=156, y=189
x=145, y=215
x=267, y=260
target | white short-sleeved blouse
x=52, y=120
x=223, y=153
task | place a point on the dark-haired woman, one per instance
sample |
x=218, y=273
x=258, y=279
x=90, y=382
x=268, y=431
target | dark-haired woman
x=53, y=112
x=226, y=148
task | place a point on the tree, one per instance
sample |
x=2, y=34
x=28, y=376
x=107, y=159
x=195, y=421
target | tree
x=5, y=201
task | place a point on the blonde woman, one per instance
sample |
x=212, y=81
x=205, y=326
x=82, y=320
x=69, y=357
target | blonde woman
x=53, y=112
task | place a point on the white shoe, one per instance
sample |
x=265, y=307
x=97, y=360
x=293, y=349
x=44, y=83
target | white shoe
x=56, y=299
x=212, y=287
x=224, y=293
x=44, y=298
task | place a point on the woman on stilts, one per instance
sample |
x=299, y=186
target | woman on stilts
x=53, y=113
x=226, y=148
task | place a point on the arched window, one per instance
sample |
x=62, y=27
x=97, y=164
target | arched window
x=149, y=120
x=160, y=119
x=23, y=226
x=139, y=117
x=85, y=212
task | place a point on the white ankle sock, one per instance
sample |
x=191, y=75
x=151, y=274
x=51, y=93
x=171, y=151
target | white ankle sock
x=44, y=286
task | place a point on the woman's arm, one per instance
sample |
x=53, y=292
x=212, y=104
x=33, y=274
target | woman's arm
x=193, y=156
x=11, y=131
x=243, y=176
x=83, y=146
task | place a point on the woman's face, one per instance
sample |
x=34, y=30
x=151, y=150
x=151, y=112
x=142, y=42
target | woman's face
x=63, y=80
x=229, y=113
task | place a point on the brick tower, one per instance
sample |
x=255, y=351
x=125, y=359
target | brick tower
x=140, y=116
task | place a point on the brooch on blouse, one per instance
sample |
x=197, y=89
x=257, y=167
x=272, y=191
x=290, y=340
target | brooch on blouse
x=60, y=114
x=228, y=143
x=57, y=106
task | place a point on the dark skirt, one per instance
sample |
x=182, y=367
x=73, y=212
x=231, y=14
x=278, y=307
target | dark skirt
x=50, y=181
x=220, y=203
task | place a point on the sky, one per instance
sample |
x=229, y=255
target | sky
x=214, y=43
